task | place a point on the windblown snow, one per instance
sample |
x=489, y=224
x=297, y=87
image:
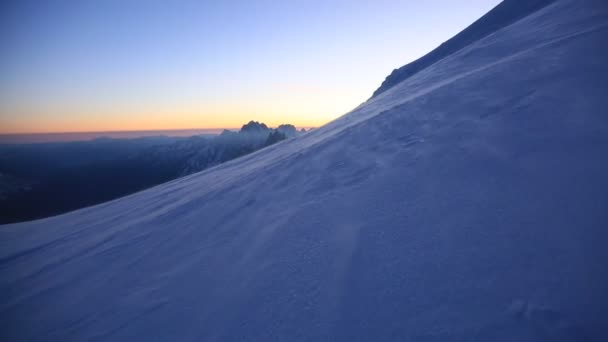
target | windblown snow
x=469, y=202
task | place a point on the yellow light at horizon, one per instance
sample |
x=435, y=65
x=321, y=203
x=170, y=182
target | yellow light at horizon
x=302, y=107
x=112, y=121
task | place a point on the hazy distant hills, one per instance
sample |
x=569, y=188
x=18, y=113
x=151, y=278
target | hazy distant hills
x=39, y=180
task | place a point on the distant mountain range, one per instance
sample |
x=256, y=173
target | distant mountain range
x=44, y=179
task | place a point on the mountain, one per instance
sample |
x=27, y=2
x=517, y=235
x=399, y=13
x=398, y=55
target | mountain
x=86, y=173
x=464, y=203
x=195, y=154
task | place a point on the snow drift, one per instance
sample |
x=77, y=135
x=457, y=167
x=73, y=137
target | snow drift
x=466, y=202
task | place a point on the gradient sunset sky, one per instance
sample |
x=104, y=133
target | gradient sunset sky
x=139, y=65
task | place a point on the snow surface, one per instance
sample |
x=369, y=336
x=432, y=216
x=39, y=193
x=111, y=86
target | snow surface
x=466, y=203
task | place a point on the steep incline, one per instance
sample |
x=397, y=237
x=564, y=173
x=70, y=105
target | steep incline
x=466, y=203
x=506, y=13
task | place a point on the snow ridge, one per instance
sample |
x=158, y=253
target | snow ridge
x=506, y=13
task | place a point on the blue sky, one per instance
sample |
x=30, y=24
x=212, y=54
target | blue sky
x=123, y=65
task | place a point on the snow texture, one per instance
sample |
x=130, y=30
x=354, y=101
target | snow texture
x=465, y=203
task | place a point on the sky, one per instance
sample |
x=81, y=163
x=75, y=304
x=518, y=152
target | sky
x=117, y=65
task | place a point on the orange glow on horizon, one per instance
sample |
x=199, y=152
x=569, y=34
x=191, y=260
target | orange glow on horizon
x=66, y=120
x=284, y=104
x=158, y=122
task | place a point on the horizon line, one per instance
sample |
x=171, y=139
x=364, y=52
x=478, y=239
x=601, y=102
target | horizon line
x=140, y=130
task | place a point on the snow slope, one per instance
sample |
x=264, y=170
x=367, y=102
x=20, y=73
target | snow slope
x=504, y=14
x=465, y=203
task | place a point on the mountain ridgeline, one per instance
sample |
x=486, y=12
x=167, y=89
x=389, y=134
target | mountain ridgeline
x=195, y=154
x=39, y=180
x=504, y=14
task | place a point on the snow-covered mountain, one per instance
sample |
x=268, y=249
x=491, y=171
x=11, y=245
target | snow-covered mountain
x=465, y=202
x=194, y=154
